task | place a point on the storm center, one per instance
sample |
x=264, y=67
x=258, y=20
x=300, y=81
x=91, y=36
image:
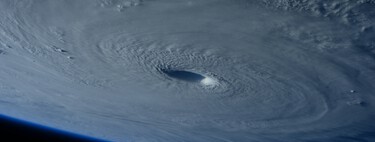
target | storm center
x=185, y=75
x=192, y=77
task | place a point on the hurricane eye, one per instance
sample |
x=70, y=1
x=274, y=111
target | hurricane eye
x=184, y=75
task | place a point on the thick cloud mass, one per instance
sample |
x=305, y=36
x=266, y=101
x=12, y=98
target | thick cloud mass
x=191, y=70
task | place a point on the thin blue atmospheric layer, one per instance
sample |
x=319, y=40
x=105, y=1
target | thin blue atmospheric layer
x=14, y=129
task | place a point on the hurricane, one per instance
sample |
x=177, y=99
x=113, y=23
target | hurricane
x=191, y=70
